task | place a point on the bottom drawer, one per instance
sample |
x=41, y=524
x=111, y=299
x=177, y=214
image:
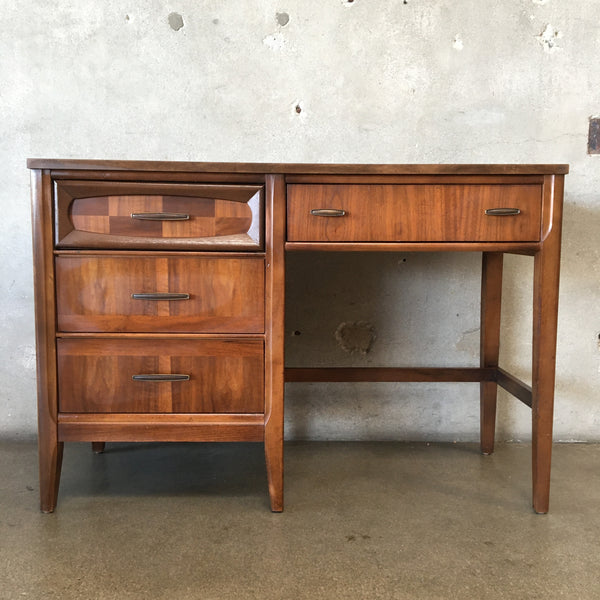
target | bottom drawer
x=139, y=376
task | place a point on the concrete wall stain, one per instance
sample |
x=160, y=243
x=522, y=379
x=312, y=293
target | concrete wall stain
x=357, y=336
x=282, y=18
x=175, y=21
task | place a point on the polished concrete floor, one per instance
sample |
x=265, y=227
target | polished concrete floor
x=362, y=520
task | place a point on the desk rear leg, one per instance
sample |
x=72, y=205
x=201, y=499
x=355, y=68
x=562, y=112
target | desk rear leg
x=491, y=300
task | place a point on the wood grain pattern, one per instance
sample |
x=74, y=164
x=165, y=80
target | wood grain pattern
x=94, y=294
x=413, y=213
x=95, y=375
x=163, y=427
x=275, y=338
x=390, y=374
x=99, y=215
x=50, y=449
x=491, y=300
x=85, y=206
x=545, y=315
x=298, y=168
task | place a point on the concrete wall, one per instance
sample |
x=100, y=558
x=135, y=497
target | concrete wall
x=375, y=81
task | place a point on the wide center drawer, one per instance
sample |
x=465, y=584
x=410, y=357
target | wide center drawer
x=176, y=294
x=160, y=376
x=414, y=212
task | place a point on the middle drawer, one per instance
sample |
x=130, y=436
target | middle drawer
x=179, y=294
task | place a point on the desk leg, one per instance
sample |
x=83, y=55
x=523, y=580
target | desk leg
x=491, y=296
x=545, y=309
x=50, y=461
x=274, y=343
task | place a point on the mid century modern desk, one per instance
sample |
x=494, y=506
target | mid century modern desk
x=160, y=291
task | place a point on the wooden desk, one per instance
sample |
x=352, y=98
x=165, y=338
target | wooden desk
x=160, y=291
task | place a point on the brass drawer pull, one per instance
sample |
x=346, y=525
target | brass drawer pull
x=161, y=216
x=502, y=212
x=161, y=296
x=327, y=212
x=161, y=377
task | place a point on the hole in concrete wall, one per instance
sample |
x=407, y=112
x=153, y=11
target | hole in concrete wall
x=175, y=21
x=298, y=108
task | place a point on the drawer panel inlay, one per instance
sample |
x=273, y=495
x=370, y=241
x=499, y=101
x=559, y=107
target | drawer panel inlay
x=160, y=294
x=414, y=213
x=104, y=376
x=136, y=215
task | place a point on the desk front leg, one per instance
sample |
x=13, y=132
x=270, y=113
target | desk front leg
x=545, y=313
x=491, y=296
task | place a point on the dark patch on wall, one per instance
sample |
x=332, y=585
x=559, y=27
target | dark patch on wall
x=282, y=18
x=175, y=21
x=355, y=337
x=594, y=136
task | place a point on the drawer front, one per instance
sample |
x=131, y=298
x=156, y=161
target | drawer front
x=97, y=214
x=132, y=376
x=414, y=213
x=160, y=294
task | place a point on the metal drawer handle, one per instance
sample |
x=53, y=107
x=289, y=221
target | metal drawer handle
x=160, y=296
x=502, y=212
x=162, y=216
x=161, y=377
x=327, y=212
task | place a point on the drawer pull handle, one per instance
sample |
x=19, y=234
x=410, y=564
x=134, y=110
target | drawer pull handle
x=327, y=212
x=161, y=216
x=502, y=212
x=161, y=296
x=161, y=377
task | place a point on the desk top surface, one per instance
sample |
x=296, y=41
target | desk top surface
x=298, y=168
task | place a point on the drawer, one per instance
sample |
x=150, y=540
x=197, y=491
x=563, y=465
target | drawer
x=177, y=294
x=414, y=213
x=101, y=214
x=134, y=376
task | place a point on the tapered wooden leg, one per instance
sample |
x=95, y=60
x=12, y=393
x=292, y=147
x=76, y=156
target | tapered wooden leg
x=274, y=460
x=98, y=447
x=545, y=309
x=274, y=343
x=50, y=463
x=491, y=296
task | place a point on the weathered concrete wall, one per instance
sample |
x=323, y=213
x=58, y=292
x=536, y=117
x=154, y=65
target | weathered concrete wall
x=304, y=80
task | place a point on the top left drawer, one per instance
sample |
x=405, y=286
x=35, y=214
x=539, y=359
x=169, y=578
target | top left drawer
x=121, y=215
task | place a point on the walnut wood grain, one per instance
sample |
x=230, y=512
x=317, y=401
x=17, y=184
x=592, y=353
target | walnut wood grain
x=163, y=427
x=241, y=356
x=413, y=213
x=491, y=299
x=95, y=376
x=389, y=374
x=275, y=337
x=545, y=314
x=298, y=168
x=50, y=449
x=94, y=294
x=98, y=214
